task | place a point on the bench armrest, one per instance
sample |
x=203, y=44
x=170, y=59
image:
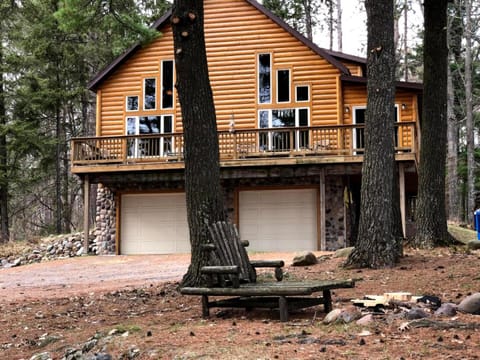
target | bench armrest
x=277, y=264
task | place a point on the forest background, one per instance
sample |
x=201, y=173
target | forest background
x=49, y=51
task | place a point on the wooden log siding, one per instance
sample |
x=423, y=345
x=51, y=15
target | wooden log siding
x=233, y=40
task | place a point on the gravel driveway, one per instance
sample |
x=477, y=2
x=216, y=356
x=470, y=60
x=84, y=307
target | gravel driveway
x=88, y=274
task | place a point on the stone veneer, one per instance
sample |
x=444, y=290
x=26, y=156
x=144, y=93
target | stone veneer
x=335, y=233
x=105, y=232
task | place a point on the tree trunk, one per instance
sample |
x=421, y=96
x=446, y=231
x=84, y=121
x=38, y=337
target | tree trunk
x=469, y=114
x=4, y=182
x=405, y=40
x=431, y=217
x=377, y=244
x=453, y=194
x=330, y=23
x=339, y=26
x=308, y=19
x=205, y=203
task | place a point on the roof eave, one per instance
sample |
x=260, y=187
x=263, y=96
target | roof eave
x=109, y=69
x=399, y=84
x=315, y=48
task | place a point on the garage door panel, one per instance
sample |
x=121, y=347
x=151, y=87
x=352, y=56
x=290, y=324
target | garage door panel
x=279, y=220
x=154, y=224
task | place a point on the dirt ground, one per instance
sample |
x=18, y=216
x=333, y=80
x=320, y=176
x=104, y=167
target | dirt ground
x=129, y=307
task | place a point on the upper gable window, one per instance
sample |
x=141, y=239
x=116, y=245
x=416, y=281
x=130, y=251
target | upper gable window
x=302, y=93
x=264, y=78
x=283, y=86
x=132, y=103
x=167, y=84
x=150, y=94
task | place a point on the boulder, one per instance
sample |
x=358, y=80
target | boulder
x=305, y=259
x=416, y=313
x=471, y=304
x=447, y=309
x=332, y=316
x=473, y=245
x=343, y=253
x=365, y=320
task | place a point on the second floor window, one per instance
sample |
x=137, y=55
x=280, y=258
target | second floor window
x=283, y=86
x=150, y=94
x=167, y=84
x=264, y=78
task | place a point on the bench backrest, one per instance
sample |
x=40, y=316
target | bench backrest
x=229, y=250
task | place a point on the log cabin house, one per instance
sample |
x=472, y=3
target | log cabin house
x=290, y=119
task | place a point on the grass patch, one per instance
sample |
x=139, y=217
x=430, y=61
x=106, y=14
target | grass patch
x=130, y=328
x=14, y=248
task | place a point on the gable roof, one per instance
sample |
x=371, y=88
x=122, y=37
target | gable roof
x=162, y=21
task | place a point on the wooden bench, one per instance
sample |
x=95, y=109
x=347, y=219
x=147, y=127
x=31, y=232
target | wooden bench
x=233, y=275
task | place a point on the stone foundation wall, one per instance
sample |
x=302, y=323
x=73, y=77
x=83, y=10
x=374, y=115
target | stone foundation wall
x=334, y=213
x=105, y=232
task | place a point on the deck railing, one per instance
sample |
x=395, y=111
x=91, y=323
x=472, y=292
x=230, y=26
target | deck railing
x=340, y=140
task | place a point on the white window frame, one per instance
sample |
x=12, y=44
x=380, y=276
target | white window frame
x=156, y=93
x=258, y=77
x=126, y=103
x=270, y=125
x=163, y=140
x=173, y=84
x=354, y=121
x=309, y=93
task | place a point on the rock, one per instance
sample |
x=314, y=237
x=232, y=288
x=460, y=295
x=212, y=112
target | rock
x=41, y=356
x=16, y=262
x=332, y=316
x=343, y=253
x=349, y=314
x=416, y=313
x=89, y=345
x=471, y=304
x=447, y=309
x=365, y=320
x=102, y=356
x=473, y=245
x=79, y=252
x=305, y=259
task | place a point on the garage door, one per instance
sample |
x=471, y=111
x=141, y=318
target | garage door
x=279, y=220
x=154, y=224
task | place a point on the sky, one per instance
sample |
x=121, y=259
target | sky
x=354, y=27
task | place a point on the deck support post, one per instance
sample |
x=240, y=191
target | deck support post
x=401, y=181
x=323, y=240
x=86, y=218
x=205, y=307
x=327, y=301
x=283, y=308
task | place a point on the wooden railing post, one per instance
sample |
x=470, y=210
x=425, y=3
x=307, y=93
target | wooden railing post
x=292, y=141
x=235, y=150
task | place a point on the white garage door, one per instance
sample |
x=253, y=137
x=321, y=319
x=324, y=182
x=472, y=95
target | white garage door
x=154, y=224
x=279, y=220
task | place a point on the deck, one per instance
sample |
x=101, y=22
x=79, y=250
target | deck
x=259, y=147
